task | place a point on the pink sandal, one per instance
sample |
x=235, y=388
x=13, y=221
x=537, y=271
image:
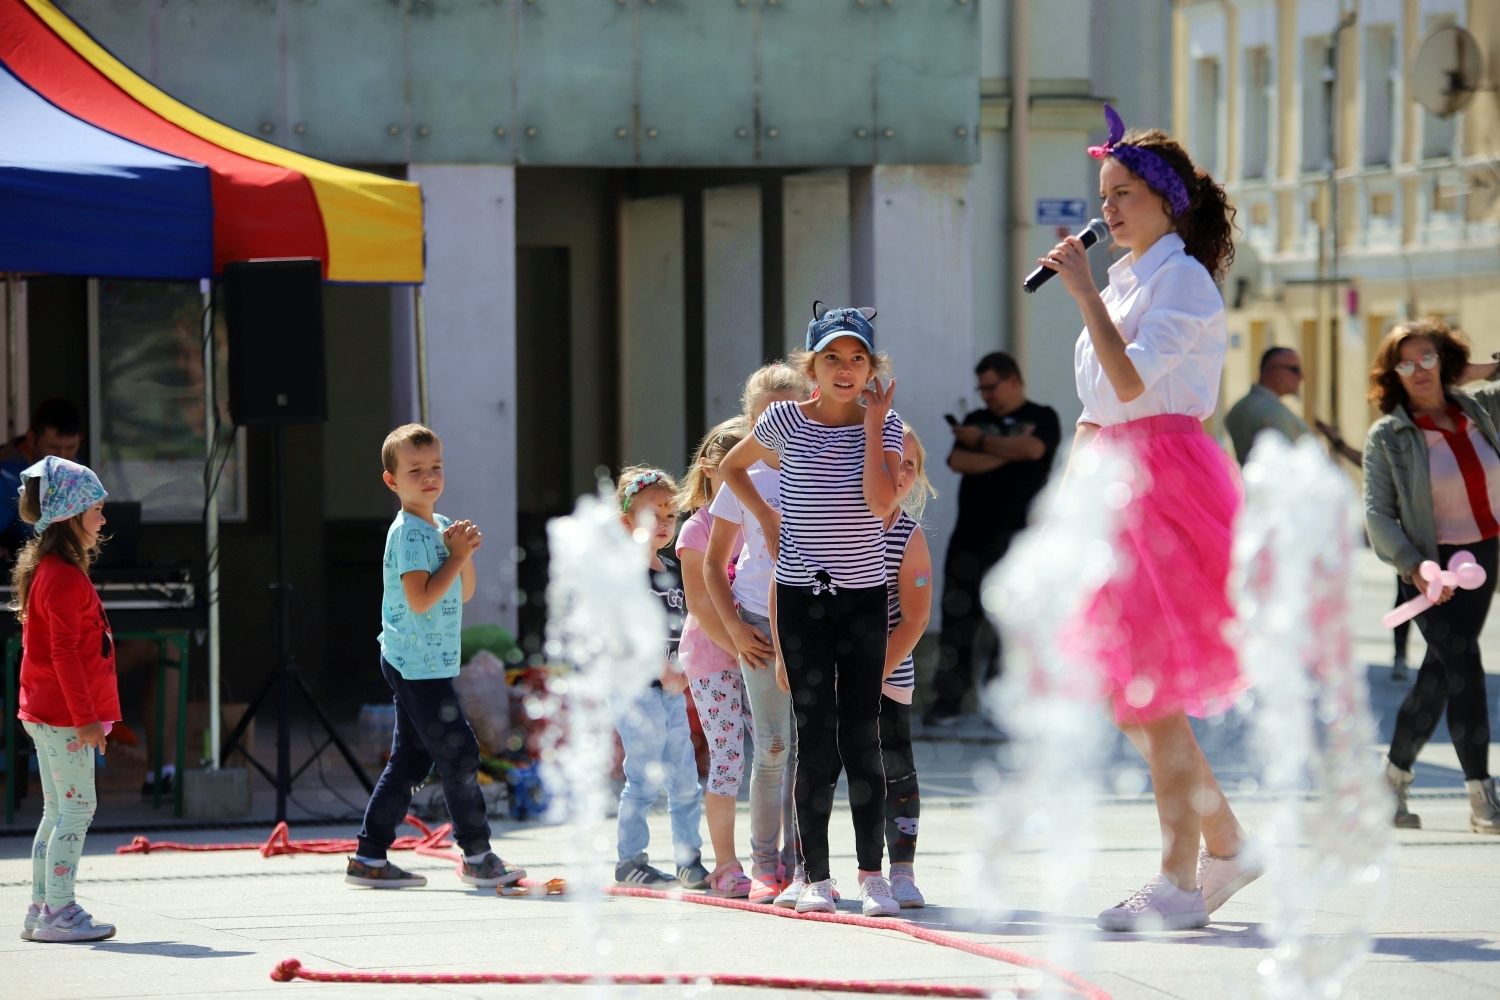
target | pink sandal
x=729, y=880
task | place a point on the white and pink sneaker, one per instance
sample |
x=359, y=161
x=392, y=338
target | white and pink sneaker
x=1159, y=906
x=1219, y=878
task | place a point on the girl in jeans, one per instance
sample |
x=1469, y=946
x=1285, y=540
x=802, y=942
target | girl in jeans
x=742, y=597
x=69, y=697
x=840, y=452
x=708, y=658
x=1432, y=465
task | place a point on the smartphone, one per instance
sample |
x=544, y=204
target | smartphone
x=952, y=420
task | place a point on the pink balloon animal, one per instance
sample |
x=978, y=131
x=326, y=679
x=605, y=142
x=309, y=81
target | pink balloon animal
x=1462, y=572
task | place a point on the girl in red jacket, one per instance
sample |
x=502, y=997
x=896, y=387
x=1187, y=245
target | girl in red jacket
x=69, y=699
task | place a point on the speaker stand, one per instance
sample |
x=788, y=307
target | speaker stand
x=287, y=672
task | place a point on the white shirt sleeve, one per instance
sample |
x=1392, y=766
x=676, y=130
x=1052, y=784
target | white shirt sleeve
x=1171, y=327
x=727, y=506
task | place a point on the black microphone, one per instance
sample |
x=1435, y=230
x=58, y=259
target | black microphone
x=1096, y=231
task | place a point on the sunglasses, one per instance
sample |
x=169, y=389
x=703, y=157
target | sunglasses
x=1406, y=369
x=1294, y=369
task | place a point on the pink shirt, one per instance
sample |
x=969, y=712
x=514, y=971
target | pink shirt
x=1452, y=509
x=701, y=656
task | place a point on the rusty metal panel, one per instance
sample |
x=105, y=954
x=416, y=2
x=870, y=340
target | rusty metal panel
x=575, y=100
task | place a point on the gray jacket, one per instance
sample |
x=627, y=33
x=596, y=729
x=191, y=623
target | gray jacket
x=1398, y=488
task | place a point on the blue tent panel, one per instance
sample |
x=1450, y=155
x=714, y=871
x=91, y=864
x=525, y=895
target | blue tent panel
x=75, y=199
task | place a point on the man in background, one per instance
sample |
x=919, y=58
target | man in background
x=1004, y=453
x=56, y=429
x=1280, y=375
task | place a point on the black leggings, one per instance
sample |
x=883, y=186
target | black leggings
x=1452, y=675
x=834, y=647
x=903, y=800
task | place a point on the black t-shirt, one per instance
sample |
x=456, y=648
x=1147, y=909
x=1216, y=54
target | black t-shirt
x=994, y=504
x=666, y=585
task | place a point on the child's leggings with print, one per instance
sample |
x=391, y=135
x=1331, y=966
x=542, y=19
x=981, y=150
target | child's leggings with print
x=724, y=715
x=68, y=802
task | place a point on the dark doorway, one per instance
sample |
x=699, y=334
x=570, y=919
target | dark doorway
x=544, y=426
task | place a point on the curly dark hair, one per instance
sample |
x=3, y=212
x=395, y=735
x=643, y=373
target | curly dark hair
x=1207, y=227
x=1386, y=390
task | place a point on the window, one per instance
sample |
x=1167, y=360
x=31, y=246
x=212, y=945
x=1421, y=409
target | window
x=1317, y=102
x=1258, y=111
x=1206, y=114
x=1380, y=94
x=1383, y=204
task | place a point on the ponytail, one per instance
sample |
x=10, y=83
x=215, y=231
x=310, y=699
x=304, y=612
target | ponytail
x=1207, y=227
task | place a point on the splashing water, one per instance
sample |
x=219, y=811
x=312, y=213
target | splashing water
x=1041, y=797
x=1313, y=729
x=604, y=623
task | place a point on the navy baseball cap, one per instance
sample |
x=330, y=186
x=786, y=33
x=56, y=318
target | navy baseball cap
x=836, y=323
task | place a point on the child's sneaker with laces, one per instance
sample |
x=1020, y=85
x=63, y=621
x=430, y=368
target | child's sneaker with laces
x=693, y=876
x=904, y=888
x=386, y=876
x=637, y=872
x=490, y=872
x=818, y=897
x=787, y=898
x=33, y=917
x=1158, y=906
x=1219, y=878
x=765, y=888
x=875, y=896
x=71, y=924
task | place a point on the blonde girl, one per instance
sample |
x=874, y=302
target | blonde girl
x=741, y=591
x=908, y=566
x=69, y=696
x=708, y=658
x=840, y=455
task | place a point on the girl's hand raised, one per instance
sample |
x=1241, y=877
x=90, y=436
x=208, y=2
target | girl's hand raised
x=877, y=404
x=1070, y=259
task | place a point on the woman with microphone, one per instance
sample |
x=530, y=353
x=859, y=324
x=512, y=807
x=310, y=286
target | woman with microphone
x=1147, y=366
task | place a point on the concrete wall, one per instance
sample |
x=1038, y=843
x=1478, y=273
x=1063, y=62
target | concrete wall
x=913, y=250
x=732, y=330
x=471, y=350
x=652, y=361
x=815, y=247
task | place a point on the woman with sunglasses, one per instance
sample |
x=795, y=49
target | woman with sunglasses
x=1432, y=488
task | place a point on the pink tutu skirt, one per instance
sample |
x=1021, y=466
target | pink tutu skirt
x=1157, y=630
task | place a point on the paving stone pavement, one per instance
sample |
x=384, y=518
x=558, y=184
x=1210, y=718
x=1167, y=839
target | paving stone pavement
x=214, y=925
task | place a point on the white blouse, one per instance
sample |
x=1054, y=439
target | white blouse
x=1171, y=315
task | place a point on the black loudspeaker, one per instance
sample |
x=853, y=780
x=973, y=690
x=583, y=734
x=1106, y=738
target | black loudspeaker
x=277, y=369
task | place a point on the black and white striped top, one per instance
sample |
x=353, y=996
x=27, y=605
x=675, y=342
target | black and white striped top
x=904, y=677
x=826, y=526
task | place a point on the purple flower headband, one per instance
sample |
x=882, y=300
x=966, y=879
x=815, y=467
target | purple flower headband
x=1142, y=162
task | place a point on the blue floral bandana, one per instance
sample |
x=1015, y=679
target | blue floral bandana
x=67, y=489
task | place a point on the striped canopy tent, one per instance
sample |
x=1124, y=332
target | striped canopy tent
x=102, y=173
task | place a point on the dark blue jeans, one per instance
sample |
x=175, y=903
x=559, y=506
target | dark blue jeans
x=430, y=730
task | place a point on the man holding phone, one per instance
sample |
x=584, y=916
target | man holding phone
x=1004, y=453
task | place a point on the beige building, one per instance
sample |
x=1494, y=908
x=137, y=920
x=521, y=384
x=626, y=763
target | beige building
x=1357, y=208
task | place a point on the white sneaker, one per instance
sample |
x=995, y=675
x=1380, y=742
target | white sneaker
x=1219, y=878
x=793, y=891
x=904, y=888
x=875, y=890
x=1159, y=906
x=71, y=924
x=33, y=917
x=818, y=897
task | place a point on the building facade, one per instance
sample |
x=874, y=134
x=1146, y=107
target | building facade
x=630, y=204
x=1357, y=208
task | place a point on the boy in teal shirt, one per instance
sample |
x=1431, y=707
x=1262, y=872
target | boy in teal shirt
x=428, y=575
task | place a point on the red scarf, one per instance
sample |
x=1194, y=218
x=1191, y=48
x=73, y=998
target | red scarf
x=1469, y=465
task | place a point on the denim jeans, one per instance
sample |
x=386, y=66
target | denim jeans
x=430, y=730
x=659, y=754
x=773, y=810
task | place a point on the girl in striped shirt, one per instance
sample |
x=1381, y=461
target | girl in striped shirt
x=840, y=454
x=908, y=574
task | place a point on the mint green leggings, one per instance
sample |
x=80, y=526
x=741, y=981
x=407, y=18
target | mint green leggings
x=68, y=803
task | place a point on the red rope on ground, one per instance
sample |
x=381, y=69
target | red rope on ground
x=291, y=969
x=430, y=842
x=1079, y=985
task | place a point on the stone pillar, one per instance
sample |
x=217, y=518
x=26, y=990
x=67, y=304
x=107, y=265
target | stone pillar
x=470, y=298
x=653, y=368
x=405, y=406
x=815, y=241
x=732, y=328
x=912, y=247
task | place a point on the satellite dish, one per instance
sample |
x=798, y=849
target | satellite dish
x=1447, y=71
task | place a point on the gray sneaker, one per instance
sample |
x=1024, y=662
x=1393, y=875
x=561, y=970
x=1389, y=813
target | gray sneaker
x=386, y=876
x=637, y=872
x=69, y=925
x=1158, y=906
x=490, y=872
x=904, y=889
x=693, y=876
x=793, y=891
